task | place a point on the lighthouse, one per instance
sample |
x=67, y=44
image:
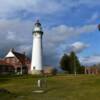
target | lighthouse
x=36, y=62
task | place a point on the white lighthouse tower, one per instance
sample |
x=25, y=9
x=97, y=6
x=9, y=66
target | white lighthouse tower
x=36, y=63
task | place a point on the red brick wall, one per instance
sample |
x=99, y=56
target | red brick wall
x=13, y=61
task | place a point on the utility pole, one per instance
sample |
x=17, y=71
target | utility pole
x=75, y=67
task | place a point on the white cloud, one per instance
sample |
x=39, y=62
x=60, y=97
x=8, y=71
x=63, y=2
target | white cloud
x=10, y=8
x=63, y=32
x=15, y=34
x=90, y=60
x=25, y=48
x=78, y=47
x=11, y=36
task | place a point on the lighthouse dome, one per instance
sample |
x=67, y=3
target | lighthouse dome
x=37, y=27
x=38, y=23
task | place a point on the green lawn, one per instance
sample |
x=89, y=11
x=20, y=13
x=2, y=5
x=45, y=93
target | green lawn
x=65, y=87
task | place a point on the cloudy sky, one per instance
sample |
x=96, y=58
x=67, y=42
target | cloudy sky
x=69, y=25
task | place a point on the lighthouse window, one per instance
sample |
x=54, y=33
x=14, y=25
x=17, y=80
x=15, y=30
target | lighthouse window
x=33, y=67
x=35, y=34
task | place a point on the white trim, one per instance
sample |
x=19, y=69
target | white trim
x=10, y=54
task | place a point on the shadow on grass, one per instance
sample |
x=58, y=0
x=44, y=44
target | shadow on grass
x=6, y=94
x=4, y=80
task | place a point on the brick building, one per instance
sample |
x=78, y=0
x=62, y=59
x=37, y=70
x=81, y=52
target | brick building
x=15, y=62
x=92, y=70
x=5, y=68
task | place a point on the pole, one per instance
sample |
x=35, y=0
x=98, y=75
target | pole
x=74, y=67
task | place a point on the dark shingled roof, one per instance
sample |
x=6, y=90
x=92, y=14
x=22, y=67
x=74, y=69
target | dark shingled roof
x=22, y=57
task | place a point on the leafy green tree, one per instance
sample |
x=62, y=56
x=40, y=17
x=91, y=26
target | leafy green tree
x=81, y=70
x=75, y=64
x=65, y=63
x=71, y=64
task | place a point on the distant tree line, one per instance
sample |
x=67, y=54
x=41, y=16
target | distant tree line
x=71, y=64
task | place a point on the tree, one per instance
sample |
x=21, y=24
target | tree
x=71, y=64
x=81, y=70
x=75, y=64
x=65, y=63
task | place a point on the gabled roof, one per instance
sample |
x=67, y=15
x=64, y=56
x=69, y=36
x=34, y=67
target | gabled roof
x=21, y=57
x=10, y=54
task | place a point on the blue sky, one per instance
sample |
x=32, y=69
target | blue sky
x=69, y=25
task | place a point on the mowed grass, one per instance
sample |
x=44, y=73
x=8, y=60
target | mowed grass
x=61, y=87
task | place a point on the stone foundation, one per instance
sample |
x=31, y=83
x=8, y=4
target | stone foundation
x=36, y=72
